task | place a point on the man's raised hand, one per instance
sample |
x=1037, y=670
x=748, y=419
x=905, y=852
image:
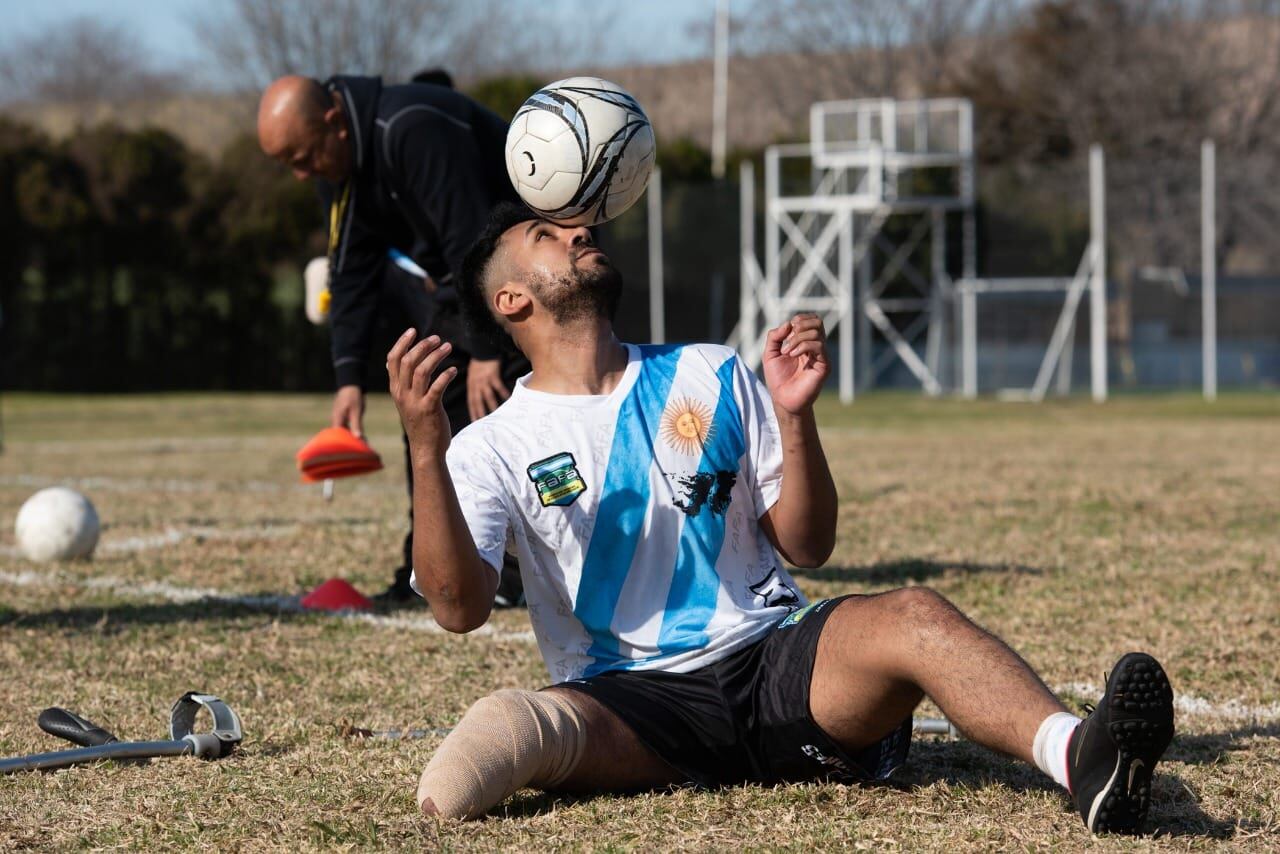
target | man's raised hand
x=795, y=362
x=485, y=388
x=418, y=390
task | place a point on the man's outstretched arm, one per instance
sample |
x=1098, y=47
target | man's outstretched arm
x=449, y=571
x=802, y=523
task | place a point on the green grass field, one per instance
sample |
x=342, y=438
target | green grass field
x=1074, y=531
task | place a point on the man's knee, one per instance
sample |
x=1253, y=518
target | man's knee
x=922, y=601
x=506, y=741
x=923, y=611
x=892, y=616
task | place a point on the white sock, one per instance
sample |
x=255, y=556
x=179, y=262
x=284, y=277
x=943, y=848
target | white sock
x=1050, y=747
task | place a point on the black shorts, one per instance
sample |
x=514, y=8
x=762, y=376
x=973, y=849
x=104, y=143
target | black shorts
x=745, y=718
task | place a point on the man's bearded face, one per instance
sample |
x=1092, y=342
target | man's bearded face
x=582, y=293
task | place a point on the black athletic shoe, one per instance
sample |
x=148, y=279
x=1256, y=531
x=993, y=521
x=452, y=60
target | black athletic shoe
x=398, y=593
x=1112, y=754
x=510, y=592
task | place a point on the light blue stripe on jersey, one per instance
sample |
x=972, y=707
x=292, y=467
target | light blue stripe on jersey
x=691, y=601
x=624, y=502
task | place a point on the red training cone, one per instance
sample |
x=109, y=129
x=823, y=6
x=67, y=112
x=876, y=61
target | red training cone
x=336, y=594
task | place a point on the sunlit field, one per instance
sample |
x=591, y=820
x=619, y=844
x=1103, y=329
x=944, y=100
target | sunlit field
x=1074, y=531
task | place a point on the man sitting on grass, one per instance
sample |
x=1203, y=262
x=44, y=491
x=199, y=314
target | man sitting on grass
x=647, y=492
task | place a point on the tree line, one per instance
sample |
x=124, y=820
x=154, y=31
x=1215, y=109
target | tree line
x=130, y=262
x=133, y=262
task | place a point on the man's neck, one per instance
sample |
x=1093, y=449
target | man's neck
x=579, y=358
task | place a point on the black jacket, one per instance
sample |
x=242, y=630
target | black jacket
x=429, y=165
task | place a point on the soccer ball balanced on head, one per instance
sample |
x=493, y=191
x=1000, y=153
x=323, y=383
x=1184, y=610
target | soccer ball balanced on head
x=580, y=151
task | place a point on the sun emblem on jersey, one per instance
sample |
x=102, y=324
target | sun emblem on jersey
x=686, y=425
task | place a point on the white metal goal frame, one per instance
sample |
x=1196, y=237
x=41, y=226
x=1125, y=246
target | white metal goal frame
x=827, y=251
x=1177, y=277
x=1090, y=275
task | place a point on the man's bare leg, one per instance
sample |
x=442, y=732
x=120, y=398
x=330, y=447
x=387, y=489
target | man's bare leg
x=879, y=655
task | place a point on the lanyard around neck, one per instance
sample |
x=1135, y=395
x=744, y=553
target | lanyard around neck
x=337, y=211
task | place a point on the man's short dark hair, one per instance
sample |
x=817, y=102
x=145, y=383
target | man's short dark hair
x=475, y=269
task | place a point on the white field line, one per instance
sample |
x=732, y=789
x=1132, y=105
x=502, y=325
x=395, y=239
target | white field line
x=172, y=593
x=173, y=536
x=187, y=485
x=156, y=444
x=181, y=444
x=144, y=484
x=1234, y=710
x=191, y=485
x=180, y=595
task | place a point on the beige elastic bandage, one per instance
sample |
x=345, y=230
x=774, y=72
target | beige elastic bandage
x=506, y=741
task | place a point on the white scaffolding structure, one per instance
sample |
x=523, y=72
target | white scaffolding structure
x=827, y=249
x=1090, y=275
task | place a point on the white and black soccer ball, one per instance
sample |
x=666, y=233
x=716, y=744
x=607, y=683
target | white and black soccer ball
x=580, y=151
x=57, y=524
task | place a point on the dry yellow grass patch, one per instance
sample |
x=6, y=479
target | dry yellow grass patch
x=1073, y=531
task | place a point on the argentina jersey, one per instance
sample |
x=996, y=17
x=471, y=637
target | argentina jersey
x=634, y=514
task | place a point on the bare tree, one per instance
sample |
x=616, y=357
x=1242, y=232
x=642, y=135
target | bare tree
x=258, y=40
x=1244, y=59
x=846, y=48
x=80, y=62
x=1149, y=80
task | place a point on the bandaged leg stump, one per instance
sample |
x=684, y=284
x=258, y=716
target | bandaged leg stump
x=506, y=741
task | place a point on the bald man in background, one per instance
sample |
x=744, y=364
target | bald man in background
x=408, y=174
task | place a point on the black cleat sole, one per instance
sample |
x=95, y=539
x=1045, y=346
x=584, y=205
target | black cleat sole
x=1140, y=703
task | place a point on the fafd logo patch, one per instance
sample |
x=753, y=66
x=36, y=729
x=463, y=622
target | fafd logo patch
x=557, y=479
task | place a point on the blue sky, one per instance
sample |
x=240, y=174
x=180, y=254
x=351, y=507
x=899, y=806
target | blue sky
x=164, y=25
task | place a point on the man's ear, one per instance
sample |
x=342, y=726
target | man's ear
x=511, y=301
x=335, y=118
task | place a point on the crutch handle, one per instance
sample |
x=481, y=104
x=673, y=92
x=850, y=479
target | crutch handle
x=73, y=728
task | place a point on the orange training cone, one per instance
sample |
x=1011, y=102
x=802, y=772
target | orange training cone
x=336, y=594
x=336, y=452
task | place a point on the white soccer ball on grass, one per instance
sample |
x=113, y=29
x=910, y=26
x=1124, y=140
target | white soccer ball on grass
x=57, y=524
x=580, y=151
